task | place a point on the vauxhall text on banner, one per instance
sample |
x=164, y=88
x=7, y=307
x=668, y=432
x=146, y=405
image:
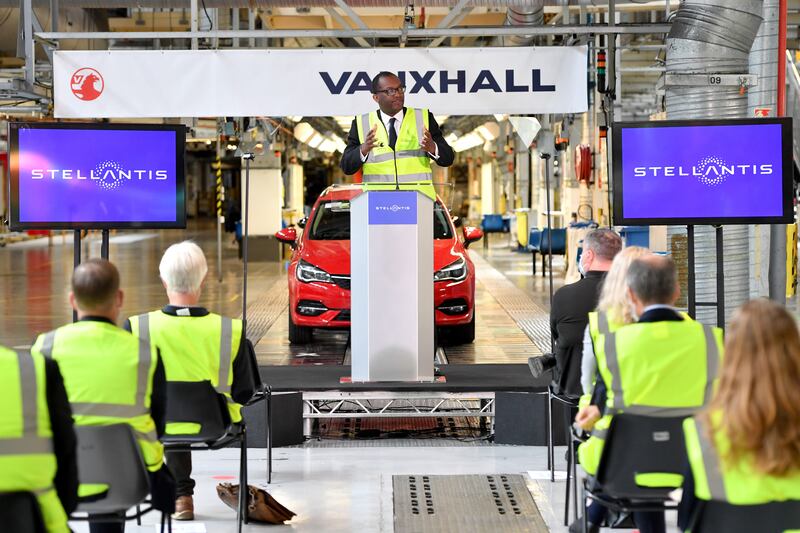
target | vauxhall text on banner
x=193, y=83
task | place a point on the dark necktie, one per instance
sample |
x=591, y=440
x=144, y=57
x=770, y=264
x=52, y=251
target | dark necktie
x=392, y=133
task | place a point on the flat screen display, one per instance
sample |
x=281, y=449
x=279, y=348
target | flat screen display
x=90, y=175
x=703, y=172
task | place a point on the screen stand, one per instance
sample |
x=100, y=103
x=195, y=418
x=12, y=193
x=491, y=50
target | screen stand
x=693, y=304
x=76, y=260
x=104, y=244
x=546, y=158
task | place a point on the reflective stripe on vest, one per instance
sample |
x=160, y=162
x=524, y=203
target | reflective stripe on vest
x=112, y=409
x=225, y=348
x=712, y=467
x=406, y=160
x=612, y=362
x=30, y=442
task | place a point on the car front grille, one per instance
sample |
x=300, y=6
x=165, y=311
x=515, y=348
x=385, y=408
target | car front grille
x=342, y=281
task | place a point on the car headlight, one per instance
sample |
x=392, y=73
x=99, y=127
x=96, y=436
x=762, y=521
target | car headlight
x=455, y=271
x=306, y=272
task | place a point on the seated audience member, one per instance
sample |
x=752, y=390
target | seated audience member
x=658, y=364
x=37, y=451
x=569, y=312
x=196, y=345
x=102, y=364
x=744, y=448
x=613, y=312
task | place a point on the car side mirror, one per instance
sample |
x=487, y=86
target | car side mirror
x=302, y=222
x=287, y=236
x=458, y=221
x=471, y=234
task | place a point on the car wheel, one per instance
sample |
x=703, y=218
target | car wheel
x=464, y=334
x=299, y=334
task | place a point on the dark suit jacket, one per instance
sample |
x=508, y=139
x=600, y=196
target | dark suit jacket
x=569, y=316
x=654, y=315
x=351, y=158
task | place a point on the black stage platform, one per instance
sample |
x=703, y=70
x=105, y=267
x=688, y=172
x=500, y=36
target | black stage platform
x=460, y=378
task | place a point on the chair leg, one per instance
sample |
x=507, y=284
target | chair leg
x=574, y=478
x=544, y=264
x=566, y=493
x=533, y=262
x=585, y=515
x=269, y=436
x=550, y=445
x=243, y=476
x=138, y=515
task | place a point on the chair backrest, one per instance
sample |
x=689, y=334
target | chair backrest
x=109, y=457
x=775, y=517
x=197, y=403
x=559, y=240
x=638, y=452
x=535, y=239
x=19, y=511
x=492, y=223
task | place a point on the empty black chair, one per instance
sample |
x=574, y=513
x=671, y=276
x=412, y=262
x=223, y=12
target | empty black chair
x=19, y=512
x=112, y=473
x=643, y=460
x=775, y=517
x=201, y=407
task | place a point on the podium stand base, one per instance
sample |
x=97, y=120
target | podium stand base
x=436, y=379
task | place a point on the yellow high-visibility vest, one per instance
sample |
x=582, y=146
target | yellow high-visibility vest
x=27, y=461
x=108, y=374
x=412, y=162
x=194, y=348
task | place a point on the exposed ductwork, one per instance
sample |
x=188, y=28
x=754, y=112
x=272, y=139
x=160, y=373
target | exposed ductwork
x=266, y=4
x=712, y=37
x=523, y=16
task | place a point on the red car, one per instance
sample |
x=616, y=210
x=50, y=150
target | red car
x=319, y=271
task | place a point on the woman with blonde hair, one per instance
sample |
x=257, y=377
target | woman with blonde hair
x=613, y=312
x=744, y=448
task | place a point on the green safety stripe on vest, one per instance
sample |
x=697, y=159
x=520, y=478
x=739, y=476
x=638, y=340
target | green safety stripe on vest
x=658, y=480
x=86, y=490
x=30, y=442
x=600, y=433
x=711, y=461
x=405, y=178
x=401, y=154
x=612, y=361
x=225, y=354
x=144, y=327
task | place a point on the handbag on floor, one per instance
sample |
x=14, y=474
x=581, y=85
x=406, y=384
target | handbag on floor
x=261, y=507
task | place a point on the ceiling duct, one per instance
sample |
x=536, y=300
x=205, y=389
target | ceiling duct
x=524, y=16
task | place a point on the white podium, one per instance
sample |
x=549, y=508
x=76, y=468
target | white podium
x=391, y=287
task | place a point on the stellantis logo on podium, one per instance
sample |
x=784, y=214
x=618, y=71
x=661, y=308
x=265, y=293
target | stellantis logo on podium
x=393, y=207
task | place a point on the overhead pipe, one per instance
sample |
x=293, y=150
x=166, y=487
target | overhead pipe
x=712, y=37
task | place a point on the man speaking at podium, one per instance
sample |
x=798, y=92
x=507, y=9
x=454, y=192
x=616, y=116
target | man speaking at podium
x=395, y=143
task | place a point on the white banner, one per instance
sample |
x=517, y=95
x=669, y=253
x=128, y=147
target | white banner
x=324, y=82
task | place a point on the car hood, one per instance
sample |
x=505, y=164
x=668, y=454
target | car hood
x=334, y=256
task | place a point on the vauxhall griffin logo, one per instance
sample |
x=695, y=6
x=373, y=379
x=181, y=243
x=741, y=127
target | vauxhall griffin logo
x=710, y=170
x=394, y=208
x=108, y=174
x=86, y=84
x=444, y=81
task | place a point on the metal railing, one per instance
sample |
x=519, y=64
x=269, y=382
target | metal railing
x=793, y=102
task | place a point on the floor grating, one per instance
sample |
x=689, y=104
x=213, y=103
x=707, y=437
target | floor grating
x=500, y=503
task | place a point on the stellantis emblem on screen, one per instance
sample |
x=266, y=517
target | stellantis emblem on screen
x=709, y=170
x=107, y=174
x=444, y=80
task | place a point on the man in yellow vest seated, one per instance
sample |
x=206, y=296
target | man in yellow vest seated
x=662, y=365
x=110, y=375
x=394, y=142
x=37, y=440
x=196, y=345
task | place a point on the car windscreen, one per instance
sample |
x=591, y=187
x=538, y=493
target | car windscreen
x=332, y=222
